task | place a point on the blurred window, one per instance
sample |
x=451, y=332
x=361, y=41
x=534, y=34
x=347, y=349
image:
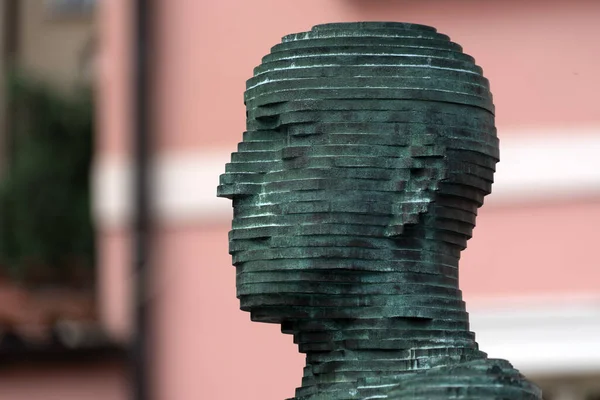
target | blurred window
x=69, y=8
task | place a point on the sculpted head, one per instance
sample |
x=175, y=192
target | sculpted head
x=369, y=148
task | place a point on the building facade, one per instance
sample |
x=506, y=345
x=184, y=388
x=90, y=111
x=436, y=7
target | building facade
x=530, y=276
x=52, y=42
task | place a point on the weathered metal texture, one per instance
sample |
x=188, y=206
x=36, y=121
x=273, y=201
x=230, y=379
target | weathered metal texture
x=369, y=148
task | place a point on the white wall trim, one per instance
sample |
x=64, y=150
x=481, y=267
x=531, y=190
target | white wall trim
x=543, y=336
x=537, y=165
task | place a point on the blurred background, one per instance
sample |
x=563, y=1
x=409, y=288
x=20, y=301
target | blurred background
x=116, y=119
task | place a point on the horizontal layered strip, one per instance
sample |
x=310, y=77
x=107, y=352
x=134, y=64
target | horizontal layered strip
x=541, y=164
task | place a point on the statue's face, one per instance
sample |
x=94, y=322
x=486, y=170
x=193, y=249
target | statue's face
x=319, y=207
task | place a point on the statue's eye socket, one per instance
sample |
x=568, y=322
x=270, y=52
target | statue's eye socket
x=418, y=172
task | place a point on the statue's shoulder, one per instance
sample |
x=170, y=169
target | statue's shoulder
x=488, y=379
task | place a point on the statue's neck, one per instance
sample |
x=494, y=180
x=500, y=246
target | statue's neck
x=341, y=354
x=418, y=324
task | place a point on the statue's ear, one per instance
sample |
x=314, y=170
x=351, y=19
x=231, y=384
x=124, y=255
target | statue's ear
x=417, y=186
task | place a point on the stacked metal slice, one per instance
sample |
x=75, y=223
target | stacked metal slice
x=472, y=380
x=369, y=148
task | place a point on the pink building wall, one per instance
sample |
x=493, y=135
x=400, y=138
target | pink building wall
x=540, y=59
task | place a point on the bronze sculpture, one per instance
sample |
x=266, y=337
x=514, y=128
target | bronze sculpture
x=369, y=148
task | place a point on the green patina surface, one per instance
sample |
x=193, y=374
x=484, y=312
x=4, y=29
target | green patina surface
x=369, y=148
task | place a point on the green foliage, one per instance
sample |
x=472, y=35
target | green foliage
x=45, y=219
